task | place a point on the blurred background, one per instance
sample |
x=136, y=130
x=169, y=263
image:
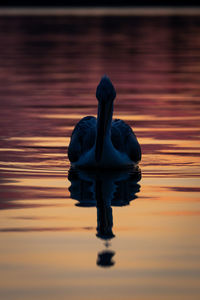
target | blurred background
x=51, y=61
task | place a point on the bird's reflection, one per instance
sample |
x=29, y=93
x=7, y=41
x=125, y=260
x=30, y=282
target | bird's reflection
x=104, y=189
x=105, y=258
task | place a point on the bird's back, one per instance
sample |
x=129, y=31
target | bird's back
x=83, y=138
x=124, y=140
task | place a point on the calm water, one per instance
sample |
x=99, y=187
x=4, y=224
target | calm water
x=58, y=239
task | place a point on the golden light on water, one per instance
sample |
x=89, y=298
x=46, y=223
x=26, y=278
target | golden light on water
x=49, y=70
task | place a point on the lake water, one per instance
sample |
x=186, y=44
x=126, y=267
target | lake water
x=56, y=239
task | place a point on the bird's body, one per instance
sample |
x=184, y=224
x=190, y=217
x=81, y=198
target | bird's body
x=102, y=142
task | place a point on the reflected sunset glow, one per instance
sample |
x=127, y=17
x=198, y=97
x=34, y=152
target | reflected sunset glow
x=52, y=245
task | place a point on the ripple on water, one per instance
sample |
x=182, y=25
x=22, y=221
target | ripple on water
x=49, y=70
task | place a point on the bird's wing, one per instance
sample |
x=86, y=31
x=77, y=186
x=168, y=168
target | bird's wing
x=124, y=140
x=82, y=138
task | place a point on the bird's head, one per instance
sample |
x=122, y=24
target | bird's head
x=105, y=90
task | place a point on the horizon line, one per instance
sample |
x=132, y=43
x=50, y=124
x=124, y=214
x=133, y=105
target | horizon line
x=101, y=11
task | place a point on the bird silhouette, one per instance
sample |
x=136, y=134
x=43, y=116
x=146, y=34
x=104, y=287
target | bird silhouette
x=102, y=142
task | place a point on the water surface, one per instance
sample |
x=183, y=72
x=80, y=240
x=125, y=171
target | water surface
x=58, y=241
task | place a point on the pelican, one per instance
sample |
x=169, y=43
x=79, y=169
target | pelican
x=102, y=142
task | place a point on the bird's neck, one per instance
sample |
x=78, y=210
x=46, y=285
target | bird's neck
x=104, y=120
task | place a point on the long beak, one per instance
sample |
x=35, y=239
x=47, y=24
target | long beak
x=101, y=130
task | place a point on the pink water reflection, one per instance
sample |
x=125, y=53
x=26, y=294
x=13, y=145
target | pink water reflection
x=49, y=70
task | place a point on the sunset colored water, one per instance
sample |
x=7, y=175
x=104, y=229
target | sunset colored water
x=52, y=241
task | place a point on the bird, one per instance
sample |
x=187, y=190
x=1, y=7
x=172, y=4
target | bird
x=103, y=143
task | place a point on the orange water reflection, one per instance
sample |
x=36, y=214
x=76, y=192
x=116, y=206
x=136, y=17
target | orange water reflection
x=49, y=69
